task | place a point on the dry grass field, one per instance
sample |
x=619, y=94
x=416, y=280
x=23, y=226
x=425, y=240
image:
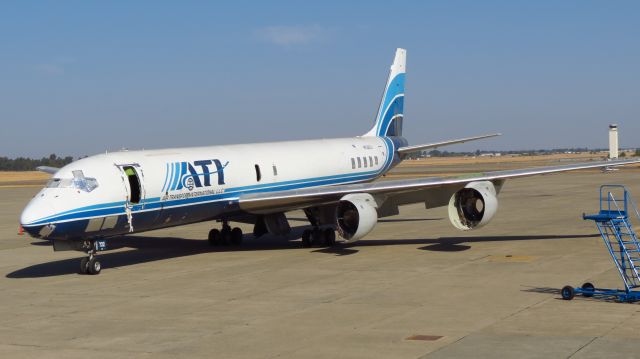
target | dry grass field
x=23, y=178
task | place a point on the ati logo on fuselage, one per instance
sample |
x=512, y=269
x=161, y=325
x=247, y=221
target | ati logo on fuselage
x=191, y=175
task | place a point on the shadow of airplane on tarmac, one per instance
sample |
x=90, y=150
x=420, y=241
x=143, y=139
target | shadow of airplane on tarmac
x=149, y=249
x=454, y=244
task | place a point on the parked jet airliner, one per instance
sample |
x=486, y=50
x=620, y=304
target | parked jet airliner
x=331, y=180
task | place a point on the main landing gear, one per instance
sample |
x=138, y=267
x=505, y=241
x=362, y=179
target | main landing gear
x=325, y=237
x=90, y=264
x=225, y=236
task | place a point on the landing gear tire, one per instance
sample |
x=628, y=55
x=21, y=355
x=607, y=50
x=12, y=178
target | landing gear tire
x=214, y=237
x=84, y=265
x=225, y=236
x=567, y=292
x=316, y=236
x=236, y=236
x=94, y=266
x=90, y=264
x=329, y=237
x=306, y=238
x=588, y=287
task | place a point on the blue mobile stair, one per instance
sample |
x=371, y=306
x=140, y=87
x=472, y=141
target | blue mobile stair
x=616, y=229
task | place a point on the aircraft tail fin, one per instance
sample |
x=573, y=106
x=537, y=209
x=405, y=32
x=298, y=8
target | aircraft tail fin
x=391, y=110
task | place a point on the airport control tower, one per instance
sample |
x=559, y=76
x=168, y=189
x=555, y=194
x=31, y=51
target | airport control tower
x=613, y=141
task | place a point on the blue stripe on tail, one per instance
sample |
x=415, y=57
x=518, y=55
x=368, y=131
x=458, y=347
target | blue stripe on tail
x=389, y=120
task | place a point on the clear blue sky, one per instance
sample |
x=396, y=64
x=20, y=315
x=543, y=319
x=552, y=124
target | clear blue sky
x=81, y=77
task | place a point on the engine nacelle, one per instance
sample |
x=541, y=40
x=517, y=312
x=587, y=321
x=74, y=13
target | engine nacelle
x=356, y=216
x=473, y=206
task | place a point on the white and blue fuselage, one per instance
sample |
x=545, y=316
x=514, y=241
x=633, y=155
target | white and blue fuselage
x=133, y=191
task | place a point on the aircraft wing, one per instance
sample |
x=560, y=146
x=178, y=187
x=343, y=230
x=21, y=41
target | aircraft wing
x=47, y=169
x=434, y=191
x=410, y=149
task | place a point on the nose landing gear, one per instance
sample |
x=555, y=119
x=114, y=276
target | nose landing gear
x=90, y=264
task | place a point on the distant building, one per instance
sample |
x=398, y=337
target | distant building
x=613, y=141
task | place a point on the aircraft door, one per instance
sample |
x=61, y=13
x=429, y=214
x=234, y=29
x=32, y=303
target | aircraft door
x=133, y=181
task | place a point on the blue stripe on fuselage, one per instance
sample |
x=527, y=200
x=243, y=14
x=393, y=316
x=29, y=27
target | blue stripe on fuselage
x=230, y=194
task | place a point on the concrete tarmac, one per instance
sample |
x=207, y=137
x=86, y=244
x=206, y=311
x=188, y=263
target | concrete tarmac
x=415, y=287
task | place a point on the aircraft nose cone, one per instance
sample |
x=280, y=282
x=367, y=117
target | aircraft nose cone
x=29, y=214
x=33, y=213
x=38, y=208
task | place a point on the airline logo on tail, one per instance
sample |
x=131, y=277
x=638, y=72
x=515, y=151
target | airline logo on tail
x=194, y=175
x=391, y=110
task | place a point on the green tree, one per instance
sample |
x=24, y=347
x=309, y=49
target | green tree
x=623, y=154
x=28, y=164
x=637, y=152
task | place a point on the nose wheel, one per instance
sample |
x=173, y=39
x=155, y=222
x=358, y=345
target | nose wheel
x=91, y=264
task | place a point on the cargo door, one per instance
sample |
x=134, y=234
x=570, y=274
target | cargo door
x=133, y=181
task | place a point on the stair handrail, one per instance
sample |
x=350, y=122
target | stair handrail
x=611, y=198
x=633, y=205
x=615, y=203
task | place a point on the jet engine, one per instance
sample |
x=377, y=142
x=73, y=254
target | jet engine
x=473, y=206
x=356, y=216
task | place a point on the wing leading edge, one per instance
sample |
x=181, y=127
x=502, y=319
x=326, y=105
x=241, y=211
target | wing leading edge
x=262, y=203
x=47, y=169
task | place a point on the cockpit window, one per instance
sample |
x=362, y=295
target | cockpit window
x=79, y=181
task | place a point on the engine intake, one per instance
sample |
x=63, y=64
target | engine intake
x=356, y=216
x=473, y=206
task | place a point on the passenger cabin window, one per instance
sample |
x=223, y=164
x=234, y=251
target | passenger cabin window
x=370, y=161
x=275, y=170
x=359, y=163
x=364, y=159
x=258, y=174
x=134, y=184
x=376, y=157
x=353, y=163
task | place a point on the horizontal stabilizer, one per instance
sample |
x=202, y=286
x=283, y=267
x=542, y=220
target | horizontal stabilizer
x=417, y=148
